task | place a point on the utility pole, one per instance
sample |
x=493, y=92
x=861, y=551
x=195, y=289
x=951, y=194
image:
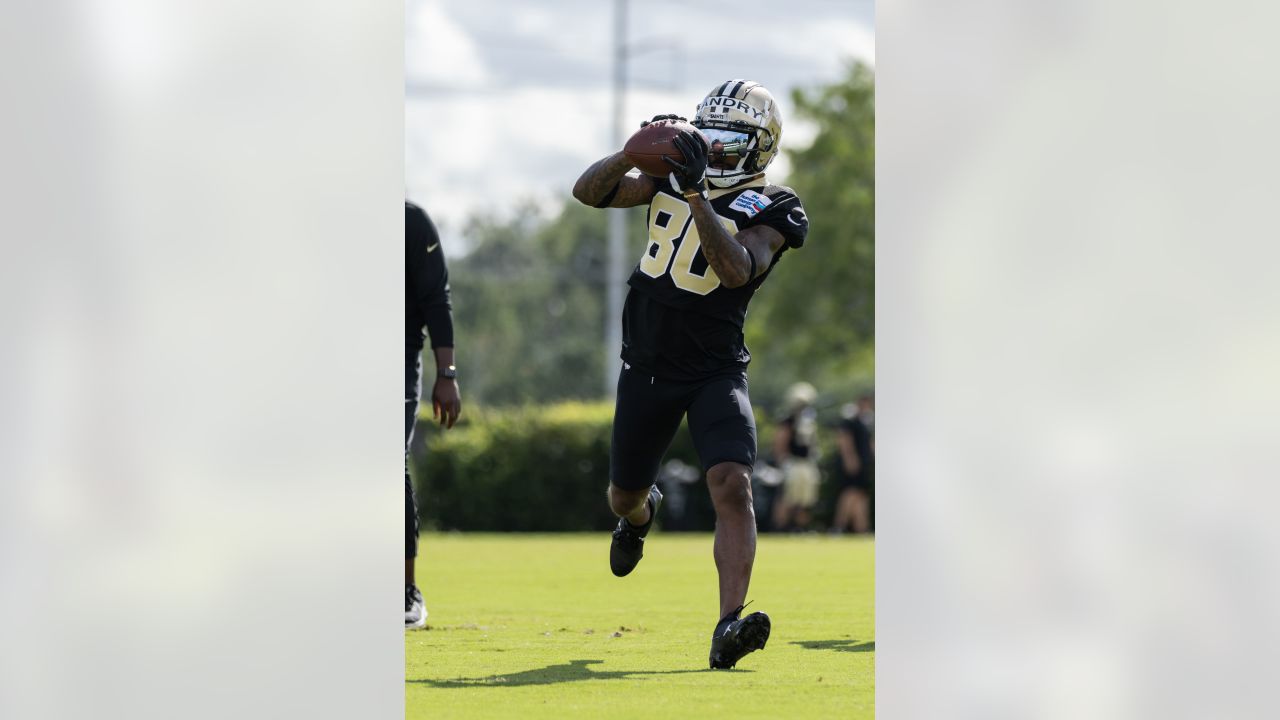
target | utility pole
x=616, y=267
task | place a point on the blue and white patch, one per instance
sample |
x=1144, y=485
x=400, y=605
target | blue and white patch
x=750, y=202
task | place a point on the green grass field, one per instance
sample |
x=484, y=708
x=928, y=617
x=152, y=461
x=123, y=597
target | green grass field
x=535, y=626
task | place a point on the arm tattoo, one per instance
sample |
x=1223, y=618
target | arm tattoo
x=607, y=179
x=731, y=260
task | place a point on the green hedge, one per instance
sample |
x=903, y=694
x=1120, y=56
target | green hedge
x=533, y=468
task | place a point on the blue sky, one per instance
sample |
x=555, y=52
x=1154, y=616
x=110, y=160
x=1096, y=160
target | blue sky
x=506, y=102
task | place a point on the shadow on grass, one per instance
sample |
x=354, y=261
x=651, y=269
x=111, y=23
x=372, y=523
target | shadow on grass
x=572, y=671
x=838, y=645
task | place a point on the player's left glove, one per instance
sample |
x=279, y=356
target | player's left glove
x=689, y=177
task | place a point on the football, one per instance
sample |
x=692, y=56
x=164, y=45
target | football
x=646, y=148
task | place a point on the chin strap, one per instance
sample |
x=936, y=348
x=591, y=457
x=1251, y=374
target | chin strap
x=737, y=180
x=715, y=181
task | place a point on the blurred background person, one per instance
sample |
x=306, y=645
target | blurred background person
x=795, y=451
x=856, y=443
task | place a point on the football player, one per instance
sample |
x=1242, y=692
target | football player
x=426, y=305
x=717, y=228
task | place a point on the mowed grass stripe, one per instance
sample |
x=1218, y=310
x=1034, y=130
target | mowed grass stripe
x=535, y=626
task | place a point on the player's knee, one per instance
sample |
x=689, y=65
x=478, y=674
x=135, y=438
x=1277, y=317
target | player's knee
x=730, y=485
x=625, y=502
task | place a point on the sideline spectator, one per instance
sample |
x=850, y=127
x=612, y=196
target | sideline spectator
x=426, y=307
x=855, y=506
x=795, y=451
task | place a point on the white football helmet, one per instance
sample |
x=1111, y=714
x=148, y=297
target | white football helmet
x=742, y=118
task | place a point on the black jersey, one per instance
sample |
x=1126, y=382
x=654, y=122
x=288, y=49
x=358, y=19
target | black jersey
x=426, y=283
x=426, y=293
x=863, y=435
x=679, y=322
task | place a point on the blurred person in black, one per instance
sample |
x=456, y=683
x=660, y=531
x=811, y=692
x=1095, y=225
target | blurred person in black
x=426, y=306
x=856, y=440
x=795, y=451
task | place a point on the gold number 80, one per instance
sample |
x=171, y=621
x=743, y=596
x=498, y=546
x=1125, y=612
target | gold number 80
x=657, y=258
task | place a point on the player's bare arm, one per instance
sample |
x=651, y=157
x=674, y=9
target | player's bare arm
x=737, y=259
x=609, y=173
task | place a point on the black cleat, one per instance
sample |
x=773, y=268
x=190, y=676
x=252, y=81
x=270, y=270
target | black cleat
x=734, y=638
x=628, y=540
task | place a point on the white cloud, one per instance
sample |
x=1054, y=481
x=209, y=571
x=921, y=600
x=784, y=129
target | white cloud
x=532, y=20
x=488, y=152
x=441, y=52
x=828, y=43
x=507, y=134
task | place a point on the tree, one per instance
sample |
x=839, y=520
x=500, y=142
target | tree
x=814, y=319
x=529, y=303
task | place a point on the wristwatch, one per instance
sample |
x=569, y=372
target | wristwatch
x=450, y=372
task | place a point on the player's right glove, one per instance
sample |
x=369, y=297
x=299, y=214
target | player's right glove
x=659, y=118
x=689, y=177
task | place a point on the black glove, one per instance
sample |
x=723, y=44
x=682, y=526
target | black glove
x=688, y=177
x=657, y=118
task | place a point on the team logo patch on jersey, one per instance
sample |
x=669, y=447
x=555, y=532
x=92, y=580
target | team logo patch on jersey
x=750, y=202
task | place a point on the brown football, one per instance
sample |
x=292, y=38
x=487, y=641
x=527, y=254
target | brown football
x=650, y=143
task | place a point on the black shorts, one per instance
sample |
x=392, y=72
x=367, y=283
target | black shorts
x=649, y=411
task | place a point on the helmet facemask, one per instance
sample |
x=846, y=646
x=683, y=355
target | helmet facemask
x=742, y=126
x=734, y=154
